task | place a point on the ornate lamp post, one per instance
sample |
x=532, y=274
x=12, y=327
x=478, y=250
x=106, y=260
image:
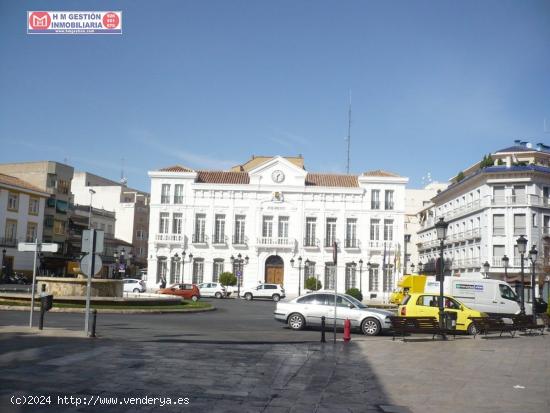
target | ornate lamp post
x=238, y=264
x=486, y=267
x=533, y=257
x=191, y=262
x=505, y=263
x=412, y=268
x=361, y=276
x=522, y=247
x=420, y=267
x=299, y=273
x=441, y=229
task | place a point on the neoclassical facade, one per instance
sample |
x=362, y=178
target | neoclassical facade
x=271, y=212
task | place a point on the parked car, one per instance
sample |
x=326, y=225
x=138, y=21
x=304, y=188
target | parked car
x=188, y=291
x=272, y=291
x=427, y=305
x=212, y=290
x=308, y=309
x=132, y=285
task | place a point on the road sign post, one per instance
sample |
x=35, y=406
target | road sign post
x=91, y=271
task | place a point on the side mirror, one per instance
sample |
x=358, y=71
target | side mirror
x=351, y=306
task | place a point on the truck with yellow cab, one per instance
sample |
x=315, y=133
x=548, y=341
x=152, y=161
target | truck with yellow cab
x=408, y=284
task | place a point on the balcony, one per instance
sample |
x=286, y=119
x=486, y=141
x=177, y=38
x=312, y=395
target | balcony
x=8, y=242
x=219, y=240
x=311, y=243
x=199, y=239
x=330, y=241
x=275, y=242
x=380, y=245
x=352, y=243
x=170, y=237
x=240, y=240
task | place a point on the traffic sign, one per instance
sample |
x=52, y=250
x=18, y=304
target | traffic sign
x=239, y=274
x=86, y=264
x=32, y=246
x=87, y=240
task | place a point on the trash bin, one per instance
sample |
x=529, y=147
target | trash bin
x=449, y=320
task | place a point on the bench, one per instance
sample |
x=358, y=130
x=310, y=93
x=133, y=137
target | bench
x=423, y=325
x=525, y=323
x=487, y=324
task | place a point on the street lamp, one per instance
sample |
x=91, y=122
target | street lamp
x=441, y=229
x=533, y=257
x=238, y=264
x=412, y=268
x=505, y=262
x=299, y=273
x=486, y=267
x=92, y=192
x=522, y=247
x=361, y=276
x=420, y=267
x=2, y=272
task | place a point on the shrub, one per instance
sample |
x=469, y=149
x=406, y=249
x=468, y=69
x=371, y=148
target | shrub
x=460, y=176
x=312, y=284
x=355, y=293
x=228, y=279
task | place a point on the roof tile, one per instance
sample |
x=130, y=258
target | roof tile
x=176, y=168
x=223, y=177
x=13, y=181
x=334, y=180
x=380, y=172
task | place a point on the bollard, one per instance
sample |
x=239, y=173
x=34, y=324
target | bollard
x=323, y=330
x=94, y=319
x=347, y=330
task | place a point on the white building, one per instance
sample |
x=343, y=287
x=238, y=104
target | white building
x=415, y=201
x=21, y=220
x=271, y=210
x=487, y=209
x=131, y=208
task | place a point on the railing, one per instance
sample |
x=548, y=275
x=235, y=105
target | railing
x=310, y=242
x=240, y=240
x=329, y=241
x=8, y=242
x=379, y=245
x=199, y=239
x=276, y=241
x=170, y=237
x=219, y=240
x=351, y=243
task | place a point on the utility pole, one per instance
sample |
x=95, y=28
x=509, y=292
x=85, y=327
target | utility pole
x=349, y=132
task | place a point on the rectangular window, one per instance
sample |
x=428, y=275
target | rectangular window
x=498, y=251
x=519, y=224
x=140, y=234
x=217, y=269
x=373, y=278
x=546, y=224
x=219, y=229
x=388, y=199
x=178, y=194
x=13, y=201
x=375, y=199
x=267, y=226
x=498, y=195
x=388, y=230
x=351, y=233
x=330, y=235
x=162, y=269
x=374, y=229
x=34, y=206
x=198, y=270
x=51, y=180
x=164, y=221
x=309, y=271
x=59, y=227
x=534, y=220
x=388, y=278
x=165, y=194
x=518, y=194
x=350, y=276
x=177, y=223
x=330, y=270
x=63, y=186
x=175, y=271
x=283, y=227
x=498, y=224
x=239, y=229
x=200, y=228
x=311, y=224
x=11, y=229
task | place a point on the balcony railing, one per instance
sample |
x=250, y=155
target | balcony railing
x=199, y=239
x=310, y=242
x=379, y=245
x=240, y=240
x=351, y=243
x=219, y=239
x=8, y=242
x=170, y=237
x=275, y=241
x=330, y=241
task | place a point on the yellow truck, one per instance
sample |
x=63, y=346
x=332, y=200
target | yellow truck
x=409, y=284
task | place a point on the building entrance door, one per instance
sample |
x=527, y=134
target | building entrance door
x=274, y=270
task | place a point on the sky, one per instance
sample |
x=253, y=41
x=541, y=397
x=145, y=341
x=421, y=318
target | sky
x=434, y=84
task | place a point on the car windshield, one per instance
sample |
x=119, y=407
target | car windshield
x=355, y=301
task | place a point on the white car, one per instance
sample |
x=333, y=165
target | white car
x=272, y=291
x=308, y=310
x=132, y=285
x=212, y=290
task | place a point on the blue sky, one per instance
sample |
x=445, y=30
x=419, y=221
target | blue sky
x=435, y=84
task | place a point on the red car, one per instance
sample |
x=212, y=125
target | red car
x=188, y=291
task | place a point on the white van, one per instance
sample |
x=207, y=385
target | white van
x=489, y=296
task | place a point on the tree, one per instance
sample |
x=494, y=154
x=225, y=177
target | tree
x=228, y=279
x=460, y=176
x=313, y=284
x=355, y=293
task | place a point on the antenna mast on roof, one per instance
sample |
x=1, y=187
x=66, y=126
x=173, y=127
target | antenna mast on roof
x=349, y=131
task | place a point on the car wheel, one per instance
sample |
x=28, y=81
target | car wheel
x=218, y=295
x=370, y=327
x=136, y=290
x=248, y=296
x=276, y=297
x=296, y=321
x=194, y=298
x=472, y=330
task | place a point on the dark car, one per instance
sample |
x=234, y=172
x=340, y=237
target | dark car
x=188, y=291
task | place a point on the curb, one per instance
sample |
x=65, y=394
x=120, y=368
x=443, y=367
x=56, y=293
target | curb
x=108, y=310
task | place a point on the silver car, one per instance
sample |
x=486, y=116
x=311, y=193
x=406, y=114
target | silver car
x=308, y=309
